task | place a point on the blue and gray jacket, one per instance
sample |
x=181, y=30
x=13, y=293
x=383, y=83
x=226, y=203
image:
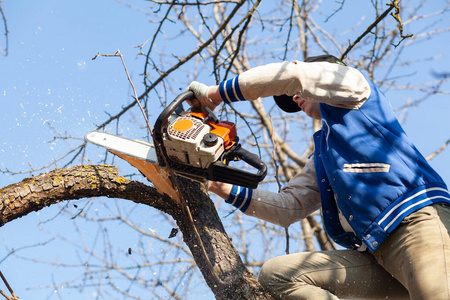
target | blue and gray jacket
x=367, y=167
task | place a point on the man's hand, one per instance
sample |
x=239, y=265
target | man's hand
x=201, y=93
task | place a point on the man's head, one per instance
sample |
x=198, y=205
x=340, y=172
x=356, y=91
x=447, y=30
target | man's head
x=285, y=102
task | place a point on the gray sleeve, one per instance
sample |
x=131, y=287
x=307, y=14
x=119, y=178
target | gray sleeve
x=325, y=82
x=299, y=198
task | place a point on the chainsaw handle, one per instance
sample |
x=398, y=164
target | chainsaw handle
x=168, y=111
x=219, y=171
x=251, y=159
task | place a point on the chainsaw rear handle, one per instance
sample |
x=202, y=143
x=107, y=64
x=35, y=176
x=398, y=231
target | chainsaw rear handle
x=225, y=173
x=250, y=158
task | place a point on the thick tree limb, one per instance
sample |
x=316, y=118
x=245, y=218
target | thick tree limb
x=228, y=278
x=35, y=193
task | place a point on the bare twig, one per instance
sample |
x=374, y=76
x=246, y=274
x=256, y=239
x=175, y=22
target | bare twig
x=14, y=297
x=4, y=51
x=397, y=17
x=181, y=62
x=433, y=155
x=368, y=30
x=132, y=85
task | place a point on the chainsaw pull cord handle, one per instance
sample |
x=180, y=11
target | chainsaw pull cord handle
x=211, y=116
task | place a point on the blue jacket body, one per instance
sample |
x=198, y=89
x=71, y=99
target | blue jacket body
x=366, y=164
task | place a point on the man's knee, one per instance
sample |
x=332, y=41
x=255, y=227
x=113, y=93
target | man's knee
x=287, y=278
x=267, y=273
x=275, y=277
x=269, y=277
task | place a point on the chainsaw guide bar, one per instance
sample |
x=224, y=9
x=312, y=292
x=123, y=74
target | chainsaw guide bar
x=134, y=148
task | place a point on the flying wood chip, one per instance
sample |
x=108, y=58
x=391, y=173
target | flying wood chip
x=173, y=233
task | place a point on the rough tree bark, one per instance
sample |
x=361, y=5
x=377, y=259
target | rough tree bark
x=215, y=255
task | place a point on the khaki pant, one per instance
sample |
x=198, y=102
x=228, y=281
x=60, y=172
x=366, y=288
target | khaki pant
x=414, y=258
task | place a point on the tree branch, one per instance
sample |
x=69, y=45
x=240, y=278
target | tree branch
x=35, y=193
x=369, y=29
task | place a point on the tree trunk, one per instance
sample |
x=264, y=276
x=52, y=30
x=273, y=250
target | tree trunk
x=211, y=247
x=228, y=278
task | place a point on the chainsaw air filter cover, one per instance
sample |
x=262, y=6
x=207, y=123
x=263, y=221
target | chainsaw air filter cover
x=191, y=142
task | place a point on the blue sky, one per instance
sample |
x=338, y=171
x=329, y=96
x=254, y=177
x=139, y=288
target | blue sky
x=50, y=86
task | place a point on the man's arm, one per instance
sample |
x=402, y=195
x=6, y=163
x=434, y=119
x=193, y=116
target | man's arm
x=299, y=198
x=329, y=83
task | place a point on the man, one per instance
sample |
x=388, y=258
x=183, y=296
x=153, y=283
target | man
x=379, y=197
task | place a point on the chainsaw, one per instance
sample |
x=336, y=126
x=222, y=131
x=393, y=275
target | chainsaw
x=192, y=144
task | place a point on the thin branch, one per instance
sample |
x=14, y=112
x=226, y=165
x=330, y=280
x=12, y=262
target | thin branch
x=397, y=17
x=369, y=29
x=132, y=86
x=433, y=155
x=4, y=51
x=181, y=62
x=9, y=289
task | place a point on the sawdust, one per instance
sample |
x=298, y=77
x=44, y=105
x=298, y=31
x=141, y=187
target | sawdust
x=154, y=173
